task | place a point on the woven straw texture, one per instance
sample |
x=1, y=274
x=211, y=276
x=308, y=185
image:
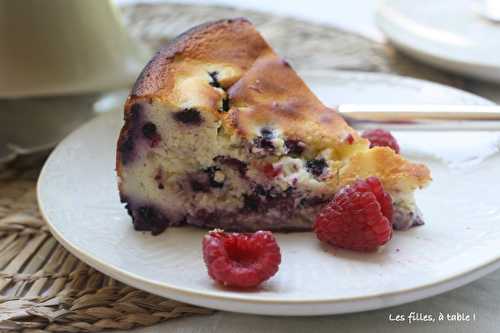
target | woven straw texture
x=43, y=287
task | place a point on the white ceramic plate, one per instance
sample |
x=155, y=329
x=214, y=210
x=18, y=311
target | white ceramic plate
x=451, y=34
x=461, y=241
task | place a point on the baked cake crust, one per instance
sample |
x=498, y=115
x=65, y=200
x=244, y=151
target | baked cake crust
x=222, y=78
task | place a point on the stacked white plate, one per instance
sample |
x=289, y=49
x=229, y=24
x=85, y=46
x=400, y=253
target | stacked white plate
x=456, y=35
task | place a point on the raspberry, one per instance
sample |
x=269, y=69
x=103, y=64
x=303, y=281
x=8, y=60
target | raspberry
x=241, y=260
x=381, y=138
x=349, y=139
x=358, y=217
x=373, y=184
x=270, y=171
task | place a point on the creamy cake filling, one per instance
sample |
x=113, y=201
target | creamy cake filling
x=210, y=179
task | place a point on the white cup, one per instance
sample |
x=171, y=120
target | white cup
x=59, y=47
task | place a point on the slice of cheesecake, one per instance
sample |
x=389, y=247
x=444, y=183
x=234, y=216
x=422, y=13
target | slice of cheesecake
x=221, y=132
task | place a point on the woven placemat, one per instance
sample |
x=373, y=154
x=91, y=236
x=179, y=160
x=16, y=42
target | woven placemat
x=45, y=288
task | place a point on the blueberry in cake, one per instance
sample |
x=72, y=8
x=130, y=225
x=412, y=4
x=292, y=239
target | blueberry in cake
x=221, y=132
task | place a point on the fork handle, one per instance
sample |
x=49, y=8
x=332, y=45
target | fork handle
x=423, y=117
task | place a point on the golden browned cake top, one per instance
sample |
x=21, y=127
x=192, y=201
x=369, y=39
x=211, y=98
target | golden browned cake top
x=230, y=44
x=263, y=90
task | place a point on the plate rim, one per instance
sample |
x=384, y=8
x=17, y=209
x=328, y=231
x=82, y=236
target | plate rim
x=449, y=62
x=190, y=295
